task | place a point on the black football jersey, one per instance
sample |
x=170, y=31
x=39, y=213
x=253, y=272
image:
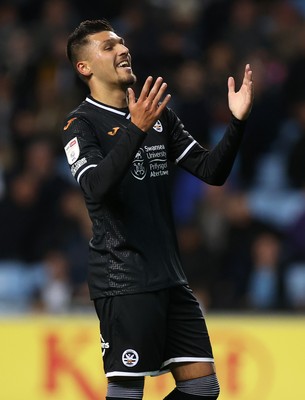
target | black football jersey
x=124, y=175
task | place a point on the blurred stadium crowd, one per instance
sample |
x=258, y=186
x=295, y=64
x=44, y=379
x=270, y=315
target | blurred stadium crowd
x=242, y=244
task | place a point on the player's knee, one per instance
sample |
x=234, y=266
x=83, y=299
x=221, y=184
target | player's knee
x=205, y=388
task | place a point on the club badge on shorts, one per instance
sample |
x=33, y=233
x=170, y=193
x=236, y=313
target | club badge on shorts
x=130, y=358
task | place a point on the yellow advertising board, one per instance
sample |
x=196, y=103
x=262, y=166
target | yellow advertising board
x=60, y=359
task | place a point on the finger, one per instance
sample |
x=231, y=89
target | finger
x=145, y=89
x=248, y=80
x=247, y=75
x=163, y=104
x=131, y=96
x=159, y=95
x=155, y=89
x=231, y=85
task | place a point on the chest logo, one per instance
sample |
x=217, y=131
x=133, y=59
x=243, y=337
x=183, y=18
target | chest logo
x=113, y=131
x=138, y=169
x=69, y=123
x=158, y=126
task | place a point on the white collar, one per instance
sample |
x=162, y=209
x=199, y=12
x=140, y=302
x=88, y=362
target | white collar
x=111, y=109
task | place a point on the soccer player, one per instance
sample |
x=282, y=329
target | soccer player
x=119, y=148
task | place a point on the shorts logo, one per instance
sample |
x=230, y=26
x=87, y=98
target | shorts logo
x=130, y=358
x=138, y=168
x=158, y=126
x=104, y=345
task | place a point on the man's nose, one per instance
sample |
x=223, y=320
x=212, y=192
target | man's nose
x=123, y=49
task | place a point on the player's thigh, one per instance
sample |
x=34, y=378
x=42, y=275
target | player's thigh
x=187, y=371
x=187, y=334
x=133, y=333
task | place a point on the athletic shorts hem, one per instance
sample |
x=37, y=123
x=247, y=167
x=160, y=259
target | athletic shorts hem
x=186, y=359
x=145, y=373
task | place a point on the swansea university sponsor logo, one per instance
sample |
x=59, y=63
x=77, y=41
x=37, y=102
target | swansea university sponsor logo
x=130, y=358
x=138, y=168
x=150, y=160
x=157, y=159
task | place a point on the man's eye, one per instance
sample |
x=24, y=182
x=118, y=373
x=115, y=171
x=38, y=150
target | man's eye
x=108, y=48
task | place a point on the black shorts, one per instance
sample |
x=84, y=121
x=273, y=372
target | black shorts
x=142, y=334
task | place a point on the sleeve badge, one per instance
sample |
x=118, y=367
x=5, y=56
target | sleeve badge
x=72, y=150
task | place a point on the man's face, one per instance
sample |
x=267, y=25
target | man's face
x=109, y=60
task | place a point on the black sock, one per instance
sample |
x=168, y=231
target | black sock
x=177, y=395
x=116, y=398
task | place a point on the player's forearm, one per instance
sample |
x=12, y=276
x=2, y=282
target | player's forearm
x=98, y=181
x=214, y=166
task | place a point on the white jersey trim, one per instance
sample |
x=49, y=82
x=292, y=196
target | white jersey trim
x=185, y=151
x=85, y=169
x=104, y=107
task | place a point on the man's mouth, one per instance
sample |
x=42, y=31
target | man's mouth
x=124, y=64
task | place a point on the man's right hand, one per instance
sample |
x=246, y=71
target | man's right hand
x=147, y=109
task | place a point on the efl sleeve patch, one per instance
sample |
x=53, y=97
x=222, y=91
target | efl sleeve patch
x=72, y=150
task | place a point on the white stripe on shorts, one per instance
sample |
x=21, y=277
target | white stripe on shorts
x=187, y=359
x=145, y=373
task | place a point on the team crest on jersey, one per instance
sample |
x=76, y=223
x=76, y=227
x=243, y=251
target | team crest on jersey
x=72, y=150
x=138, y=169
x=158, y=126
x=130, y=358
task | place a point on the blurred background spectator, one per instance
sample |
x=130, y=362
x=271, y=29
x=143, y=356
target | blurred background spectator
x=243, y=244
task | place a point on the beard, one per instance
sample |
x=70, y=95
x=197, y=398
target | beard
x=128, y=81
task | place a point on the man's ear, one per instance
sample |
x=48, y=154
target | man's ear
x=83, y=68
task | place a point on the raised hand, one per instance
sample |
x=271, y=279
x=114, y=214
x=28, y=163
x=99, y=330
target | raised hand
x=148, y=108
x=240, y=103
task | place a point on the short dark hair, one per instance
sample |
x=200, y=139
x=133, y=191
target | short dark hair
x=79, y=37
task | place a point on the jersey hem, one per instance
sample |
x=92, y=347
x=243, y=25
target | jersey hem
x=136, y=291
